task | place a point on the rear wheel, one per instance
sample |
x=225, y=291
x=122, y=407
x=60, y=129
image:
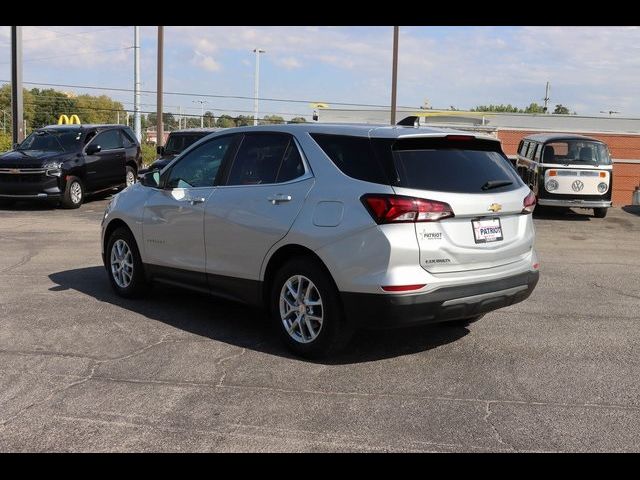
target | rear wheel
x=73, y=193
x=600, y=212
x=306, y=309
x=124, y=265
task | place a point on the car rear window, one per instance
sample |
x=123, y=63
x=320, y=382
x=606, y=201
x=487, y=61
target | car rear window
x=467, y=166
x=354, y=156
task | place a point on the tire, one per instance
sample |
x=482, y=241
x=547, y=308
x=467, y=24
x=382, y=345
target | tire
x=130, y=176
x=73, y=193
x=465, y=322
x=323, y=338
x=600, y=212
x=122, y=249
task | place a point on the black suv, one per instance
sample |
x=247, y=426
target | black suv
x=177, y=142
x=63, y=163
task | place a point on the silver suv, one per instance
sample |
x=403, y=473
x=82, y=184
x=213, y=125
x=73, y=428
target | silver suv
x=331, y=227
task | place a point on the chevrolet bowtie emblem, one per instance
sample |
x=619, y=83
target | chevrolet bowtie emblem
x=495, y=207
x=14, y=170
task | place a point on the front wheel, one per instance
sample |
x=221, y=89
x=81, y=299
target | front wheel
x=306, y=310
x=600, y=212
x=73, y=193
x=124, y=265
x=130, y=178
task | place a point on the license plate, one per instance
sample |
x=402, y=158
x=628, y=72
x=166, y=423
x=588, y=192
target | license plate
x=487, y=230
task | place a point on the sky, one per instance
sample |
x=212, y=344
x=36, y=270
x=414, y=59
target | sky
x=591, y=69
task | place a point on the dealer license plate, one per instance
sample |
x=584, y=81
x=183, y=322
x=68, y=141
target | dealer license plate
x=487, y=230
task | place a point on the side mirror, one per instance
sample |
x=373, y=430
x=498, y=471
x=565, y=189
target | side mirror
x=92, y=149
x=151, y=179
x=160, y=149
x=15, y=145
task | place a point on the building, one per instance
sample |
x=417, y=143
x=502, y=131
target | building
x=622, y=135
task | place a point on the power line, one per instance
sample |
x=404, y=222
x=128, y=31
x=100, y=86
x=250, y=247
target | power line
x=236, y=97
x=69, y=55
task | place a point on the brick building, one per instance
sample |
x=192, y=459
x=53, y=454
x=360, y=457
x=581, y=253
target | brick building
x=622, y=135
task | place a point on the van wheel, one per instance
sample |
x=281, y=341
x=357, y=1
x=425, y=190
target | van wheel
x=124, y=265
x=306, y=310
x=73, y=193
x=600, y=212
x=130, y=177
x=464, y=322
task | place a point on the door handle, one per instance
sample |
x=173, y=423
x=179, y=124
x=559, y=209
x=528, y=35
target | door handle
x=279, y=198
x=196, y=201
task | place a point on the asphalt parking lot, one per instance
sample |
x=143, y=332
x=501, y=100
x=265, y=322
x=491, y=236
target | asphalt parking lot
x=84, y=370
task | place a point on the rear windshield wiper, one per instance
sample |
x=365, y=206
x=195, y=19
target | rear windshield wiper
x=495, y=184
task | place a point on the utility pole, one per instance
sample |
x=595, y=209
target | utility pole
x=160, y=125
x=179, y=117
x=394, y=76
x=136, y=84
x=257, y=51
x=546, y=98
x=17, y=112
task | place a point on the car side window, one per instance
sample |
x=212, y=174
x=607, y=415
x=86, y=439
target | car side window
x=264, y=159
x=199, y=167
x=127, y=139
x=109, y=140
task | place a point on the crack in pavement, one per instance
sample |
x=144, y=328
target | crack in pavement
x=82, y=380
x=615, y=290
x=493, y=428
x=222, y=360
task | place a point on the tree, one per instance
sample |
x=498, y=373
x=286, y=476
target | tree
x=244, y=120
x=497, y=108
x=168, y=120
x=208, y=120
x=49, y=104
x=534, y=108
x=225, y=121
x=298, y=120
x=271, y=120
x=561, y=110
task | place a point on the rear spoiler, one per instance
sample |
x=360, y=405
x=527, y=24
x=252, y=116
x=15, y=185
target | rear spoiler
x=410, y=121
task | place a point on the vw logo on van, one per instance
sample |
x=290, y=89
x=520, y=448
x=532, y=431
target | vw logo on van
x=577, y=186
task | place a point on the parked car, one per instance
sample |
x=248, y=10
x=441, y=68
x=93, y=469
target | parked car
x=177, y=142
x=64, y=163
x=331, y=228
x=565, y=170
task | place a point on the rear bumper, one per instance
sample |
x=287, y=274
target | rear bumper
x=441, y=305
x=575, y=203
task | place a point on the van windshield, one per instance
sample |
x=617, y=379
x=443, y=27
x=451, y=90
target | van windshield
x=178, y=143
x=576, y=152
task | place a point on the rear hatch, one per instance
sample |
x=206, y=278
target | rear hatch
x=472, y=179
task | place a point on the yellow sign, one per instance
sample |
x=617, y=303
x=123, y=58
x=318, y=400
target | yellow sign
x=64, y=120
x=319, y=105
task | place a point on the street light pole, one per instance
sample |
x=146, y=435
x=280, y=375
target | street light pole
x=160, y=124
x=201, y=102
x=137, y=127
x=257, y=51
x=394, y=76
x=16, y=85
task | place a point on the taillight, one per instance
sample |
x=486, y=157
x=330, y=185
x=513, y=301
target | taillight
x=529, y=203
x=402, y=288
x=399, y=209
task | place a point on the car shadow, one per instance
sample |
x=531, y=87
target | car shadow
x=557, y=213
x=247, y=327
x=42, y=206
x=632, y=209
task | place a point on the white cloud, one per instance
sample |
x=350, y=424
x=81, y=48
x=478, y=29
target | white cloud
x=206, y=62
x=289, y=63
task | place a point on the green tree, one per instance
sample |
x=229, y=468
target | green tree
x=100, y=109
x=225, y=121
x=49, y=104
x=209, y=120
x=271, y=120
x=561, y=110
x=168, y=120
x=298, y=120
x=497, y=108
x=244, y=120
x=534, y=108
